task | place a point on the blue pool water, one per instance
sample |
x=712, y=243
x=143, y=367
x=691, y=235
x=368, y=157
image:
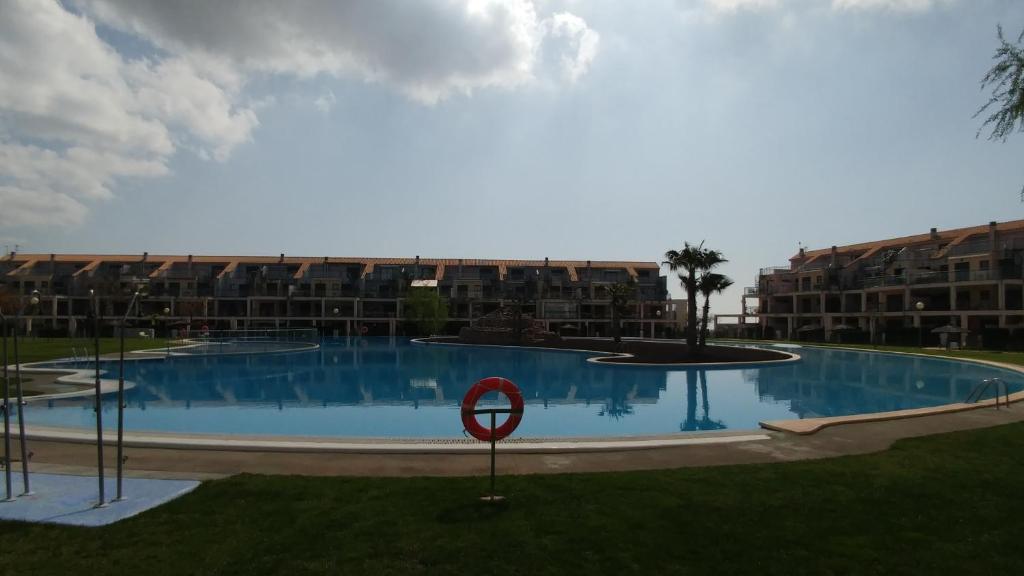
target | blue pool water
x=381, y=388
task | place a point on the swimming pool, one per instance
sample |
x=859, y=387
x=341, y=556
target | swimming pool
x=371, y=387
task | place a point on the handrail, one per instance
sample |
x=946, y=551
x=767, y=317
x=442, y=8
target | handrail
x=981, y=387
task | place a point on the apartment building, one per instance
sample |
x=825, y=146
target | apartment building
x=899, y=288
x=339, y=296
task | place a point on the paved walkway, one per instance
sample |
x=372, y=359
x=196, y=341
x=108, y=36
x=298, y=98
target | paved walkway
x=68, y=499
x=834, y=441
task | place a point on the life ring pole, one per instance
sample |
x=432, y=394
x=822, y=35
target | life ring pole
x=493, y=441
x=492, y=497
x=474, y=428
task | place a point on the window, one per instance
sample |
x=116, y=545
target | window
x=983, y=265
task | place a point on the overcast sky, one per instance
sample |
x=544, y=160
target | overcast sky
x=488, y=129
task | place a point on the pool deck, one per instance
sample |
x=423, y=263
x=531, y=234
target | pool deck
x=71, y=500
x=838, y=440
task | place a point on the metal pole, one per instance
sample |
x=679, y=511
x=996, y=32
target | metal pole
x=21, y=408
x=99, y=403
x=120, y=415
x=7, y=416
x=120, y=403
x=492, y=454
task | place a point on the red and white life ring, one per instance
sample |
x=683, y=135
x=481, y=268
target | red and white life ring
x=515, y=398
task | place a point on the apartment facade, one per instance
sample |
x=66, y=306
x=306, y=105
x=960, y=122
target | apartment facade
x=338, y=296
x=967, y=278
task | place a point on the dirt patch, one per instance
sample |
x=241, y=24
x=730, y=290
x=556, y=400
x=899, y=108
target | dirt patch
x=648, y=352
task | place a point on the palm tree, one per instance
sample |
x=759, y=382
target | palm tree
x=710, y=283
x=1006, y=79
x=689, y=261
x=620, y=295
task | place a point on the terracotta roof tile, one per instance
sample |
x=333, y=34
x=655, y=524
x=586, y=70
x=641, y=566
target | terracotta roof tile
x=92, y=265
x=228, y=270
x=942, y=235
x=24, y=267
x=231, y=263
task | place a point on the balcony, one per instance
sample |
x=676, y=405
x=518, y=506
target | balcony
x=975, y=275
x=937, y=277
x=818, y=264
x=881, y=281
x=750, y=291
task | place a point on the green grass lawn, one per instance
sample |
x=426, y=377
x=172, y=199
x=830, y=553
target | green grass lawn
x=37, y=349
x=947, y=504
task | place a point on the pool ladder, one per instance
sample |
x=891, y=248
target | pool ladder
x=85, y=357
x=981, y=387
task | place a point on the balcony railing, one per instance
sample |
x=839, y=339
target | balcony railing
x=877, y=281
x=929, y=277
x=769, y=270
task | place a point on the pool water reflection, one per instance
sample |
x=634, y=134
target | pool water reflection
x=393, y=388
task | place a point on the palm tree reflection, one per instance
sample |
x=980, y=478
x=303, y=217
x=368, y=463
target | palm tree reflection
x=617, y=404
x=692, y=423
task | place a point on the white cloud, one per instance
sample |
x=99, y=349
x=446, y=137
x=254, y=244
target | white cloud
x=735, y=5
x=39, y=208
x=325, y=102
x=429, y=49
x=77, y=171
x=580, y=43
x=894, y=5
x=76, y=115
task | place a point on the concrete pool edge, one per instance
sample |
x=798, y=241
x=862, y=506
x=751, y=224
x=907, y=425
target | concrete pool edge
x=218, y=442
x=71, y=376
x=604, y=360
x=86, y=377
x=80, y=457
x=807, y=426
